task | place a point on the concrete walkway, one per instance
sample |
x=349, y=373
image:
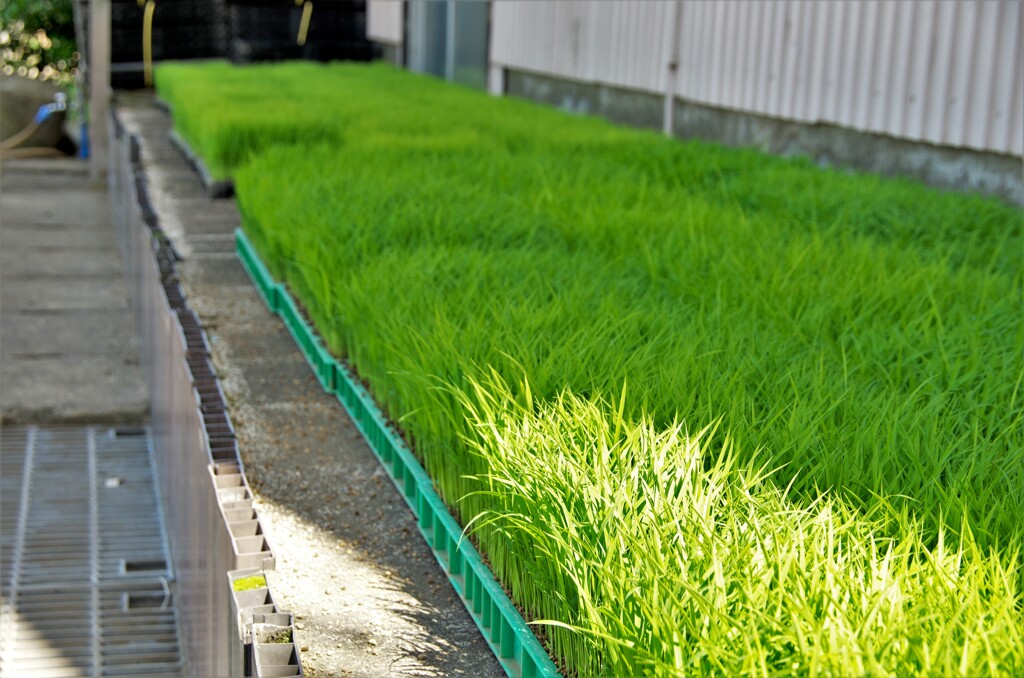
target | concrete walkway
x=67, y=336
x=85, y=576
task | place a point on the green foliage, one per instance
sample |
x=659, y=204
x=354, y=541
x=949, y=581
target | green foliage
x=283, y=637
x=860, y=337
x=37, y=39
x=256, y=581
x=675, y=559
x=223, y=112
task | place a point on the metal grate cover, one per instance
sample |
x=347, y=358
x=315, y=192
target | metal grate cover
x=85, y=576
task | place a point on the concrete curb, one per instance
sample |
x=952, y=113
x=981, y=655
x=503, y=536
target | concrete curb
x=214, y=529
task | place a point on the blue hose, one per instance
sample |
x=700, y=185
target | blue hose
x=83, y=144
x=46, y=110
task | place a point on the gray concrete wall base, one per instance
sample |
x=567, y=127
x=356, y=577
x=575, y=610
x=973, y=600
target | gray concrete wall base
x=640, y=109
x=943, y=167
x=390, y=53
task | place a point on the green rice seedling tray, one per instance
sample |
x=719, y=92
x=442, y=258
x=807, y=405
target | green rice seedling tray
x=509, y=637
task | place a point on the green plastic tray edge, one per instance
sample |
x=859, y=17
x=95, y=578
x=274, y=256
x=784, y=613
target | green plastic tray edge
x=509, y=637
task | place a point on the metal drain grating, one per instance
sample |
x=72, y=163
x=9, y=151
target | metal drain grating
x=84, y=568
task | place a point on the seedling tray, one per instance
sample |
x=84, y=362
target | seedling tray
x=507, y=634
x=162, y=105
x=214, y=188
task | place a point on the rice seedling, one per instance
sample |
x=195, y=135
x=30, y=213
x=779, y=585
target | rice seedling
x=859, y=506
x=224, y=113
x=671, y=558
x=859, y=364
x=250, y=583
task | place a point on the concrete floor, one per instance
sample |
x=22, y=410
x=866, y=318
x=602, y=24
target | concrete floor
x=68, y=350
x=85, y=576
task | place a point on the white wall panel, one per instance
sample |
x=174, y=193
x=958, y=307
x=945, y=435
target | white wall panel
x=938, y=71
x=384, y=21
x=617, y=42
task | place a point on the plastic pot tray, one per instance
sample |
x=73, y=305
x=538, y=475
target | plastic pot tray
x=214, y=188
x=508, y=635
x=163, y=105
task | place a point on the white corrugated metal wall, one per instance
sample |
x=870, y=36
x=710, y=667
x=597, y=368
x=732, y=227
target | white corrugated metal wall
x=384, y=21
x=948, y=73
x=618, y=43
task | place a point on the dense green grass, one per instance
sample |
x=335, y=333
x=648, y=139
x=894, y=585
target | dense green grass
x=859, y=337
x=677, y=560
x=224, y=113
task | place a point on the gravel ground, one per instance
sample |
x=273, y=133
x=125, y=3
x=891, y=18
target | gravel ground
x=368, y=596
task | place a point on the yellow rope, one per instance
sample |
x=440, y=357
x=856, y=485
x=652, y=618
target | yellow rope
x=307, y=11
x=147, y=42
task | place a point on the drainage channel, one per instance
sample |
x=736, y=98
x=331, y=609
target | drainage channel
x=85, y=575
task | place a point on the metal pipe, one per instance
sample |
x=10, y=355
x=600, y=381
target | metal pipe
x=147, y=42
x=672, y=65
x=307, y=13
x=99, y=87
x=450, y=39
